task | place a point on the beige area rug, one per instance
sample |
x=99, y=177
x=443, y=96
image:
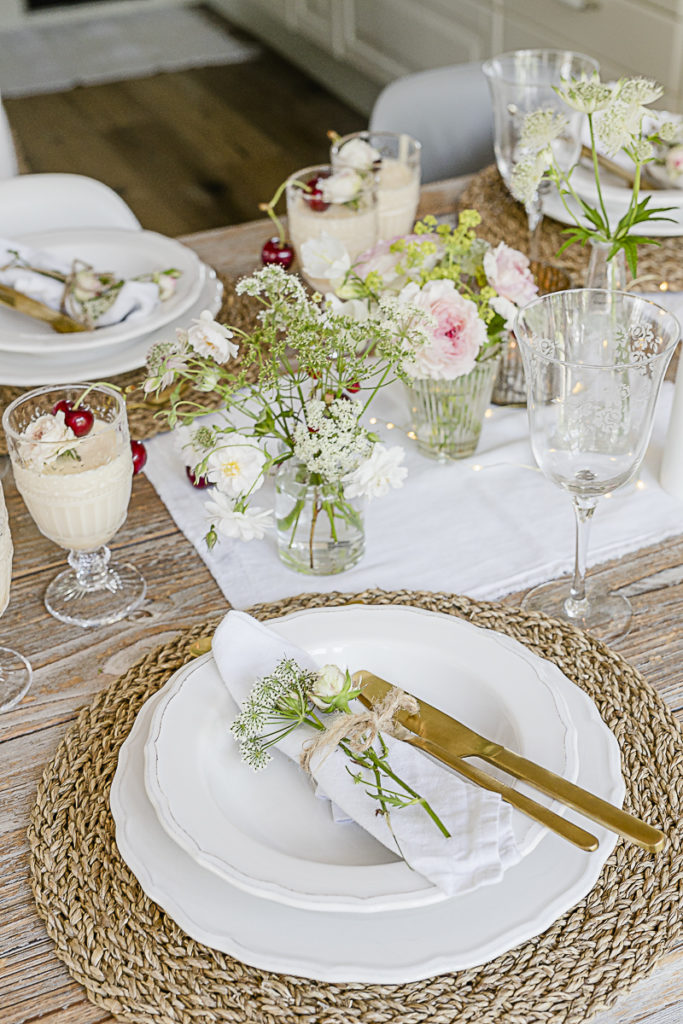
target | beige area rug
x=108, y=48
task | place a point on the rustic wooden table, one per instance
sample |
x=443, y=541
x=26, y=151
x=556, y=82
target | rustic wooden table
x=71, y=665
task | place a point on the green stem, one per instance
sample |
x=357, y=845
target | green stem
x=596, y=172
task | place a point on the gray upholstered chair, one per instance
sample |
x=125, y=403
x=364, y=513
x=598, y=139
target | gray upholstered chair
x=449, y=111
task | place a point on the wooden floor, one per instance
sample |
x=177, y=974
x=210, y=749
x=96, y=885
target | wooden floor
x=187, y=150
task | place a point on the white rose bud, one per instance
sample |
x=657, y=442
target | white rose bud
x=328, y=685
x=341, y=187
x=359, y=154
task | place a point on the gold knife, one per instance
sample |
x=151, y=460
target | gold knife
x=446, y=735
x=21, y=303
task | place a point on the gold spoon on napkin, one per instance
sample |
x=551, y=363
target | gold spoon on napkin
x=21, y=303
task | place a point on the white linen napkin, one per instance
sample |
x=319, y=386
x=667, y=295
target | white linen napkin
x=482, y=844
x=135, y=300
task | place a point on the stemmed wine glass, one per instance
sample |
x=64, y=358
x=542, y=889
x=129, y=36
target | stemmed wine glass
x=594, y=362
x=72, y=463
x=524, y=81
x=15, y=671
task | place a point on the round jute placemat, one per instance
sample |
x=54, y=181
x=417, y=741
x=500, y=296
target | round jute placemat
x=136, y=962
x=504, y=219
x=146, y=415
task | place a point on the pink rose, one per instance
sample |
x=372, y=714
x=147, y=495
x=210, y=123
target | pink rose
x=674, y=162
x=507, y=270
x=454, y=338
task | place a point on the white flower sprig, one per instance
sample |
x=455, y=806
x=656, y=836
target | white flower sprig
x=290, y=697
x=616, y=114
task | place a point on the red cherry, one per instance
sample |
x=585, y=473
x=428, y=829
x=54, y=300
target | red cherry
x=314, y=195
x=80, y=420
x=354, y=388
x=139, y=453
x=197, y=481
x=280, y=253
x=63, y=405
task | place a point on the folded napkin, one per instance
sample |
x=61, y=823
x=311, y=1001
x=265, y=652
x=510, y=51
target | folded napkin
x=482, y=844
x=135, y=300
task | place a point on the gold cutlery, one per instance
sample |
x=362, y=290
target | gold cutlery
x=21, y=303
x=647, y=181
x=446, y=736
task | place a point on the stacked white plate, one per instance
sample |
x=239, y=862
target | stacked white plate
x=31, y=353
x=255, y=866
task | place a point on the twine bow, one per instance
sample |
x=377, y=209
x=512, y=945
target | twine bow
x=361, y=728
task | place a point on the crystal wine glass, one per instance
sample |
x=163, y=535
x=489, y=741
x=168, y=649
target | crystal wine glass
x=72, y=463
x=594, y=362
x=524, y=81
x=15, y=671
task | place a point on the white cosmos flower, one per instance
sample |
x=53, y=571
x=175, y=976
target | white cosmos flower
x=325, y=257
x=342, y=186
x=211, y=339
x=236, y=466
x=248, y=525
x=46, y=439
x=377, y=474
x=359, y=154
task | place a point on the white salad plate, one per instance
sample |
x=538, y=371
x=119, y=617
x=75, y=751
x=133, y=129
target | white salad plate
x=31, y=370
x=125, y=252
x=265, y=832
x=397, y=946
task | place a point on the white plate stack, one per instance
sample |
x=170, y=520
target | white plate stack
x=31, y=353
x=254, y=864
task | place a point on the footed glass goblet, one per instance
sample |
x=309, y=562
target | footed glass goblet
x=521, y=82
x=594, y=361
x=72, y=463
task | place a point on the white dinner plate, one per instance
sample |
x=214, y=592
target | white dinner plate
x=617, y=197
x=266, y=832
x=29, y=370
x=385, y=948
x=123, y=251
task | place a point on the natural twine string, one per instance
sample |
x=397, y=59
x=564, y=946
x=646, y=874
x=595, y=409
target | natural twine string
x=138, y=965
x=360, y=729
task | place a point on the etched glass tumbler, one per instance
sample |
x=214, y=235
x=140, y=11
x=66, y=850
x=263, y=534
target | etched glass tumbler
x=521, y=82
x=594, y=361
x=76, y=483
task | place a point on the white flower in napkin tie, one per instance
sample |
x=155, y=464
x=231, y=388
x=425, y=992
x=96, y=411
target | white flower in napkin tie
x=236, y=467
x=251, y=524
x=325, y=258
x=377, y=474
x=359, y=154
x=211, y=339
x=341, y=187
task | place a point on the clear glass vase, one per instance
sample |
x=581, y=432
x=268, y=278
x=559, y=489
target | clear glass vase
x=447, y=415
x=319, y=530
x=604, y=273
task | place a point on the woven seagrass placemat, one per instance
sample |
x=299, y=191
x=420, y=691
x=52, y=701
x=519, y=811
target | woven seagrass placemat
x=504, y=219
x=145, y=416
x=139, y=965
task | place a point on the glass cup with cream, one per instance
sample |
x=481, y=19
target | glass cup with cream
x=72, y=464
x=333, y=206
x=394, y=159
x=15, y=671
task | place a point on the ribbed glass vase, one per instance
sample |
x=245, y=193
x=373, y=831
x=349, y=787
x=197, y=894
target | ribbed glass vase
x=319, y=530
x=447, y=415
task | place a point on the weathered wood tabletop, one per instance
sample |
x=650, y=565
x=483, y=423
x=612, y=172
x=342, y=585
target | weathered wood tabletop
x=71, y=665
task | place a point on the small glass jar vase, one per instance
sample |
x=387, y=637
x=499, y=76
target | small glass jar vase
x=319, y=530
x=447, y=415
x=605, y=273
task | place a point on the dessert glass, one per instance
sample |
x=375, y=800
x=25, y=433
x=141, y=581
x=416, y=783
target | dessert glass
x=397, y=173
x=353, y=222
x=77, y=490
x=15, y=671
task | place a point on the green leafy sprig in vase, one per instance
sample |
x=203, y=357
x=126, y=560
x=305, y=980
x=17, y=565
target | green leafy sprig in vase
x=615, y=114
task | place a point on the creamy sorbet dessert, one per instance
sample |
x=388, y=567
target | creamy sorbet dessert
x=76, y=489
x=397, y=197
x=342, y=204
x=5, y=555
